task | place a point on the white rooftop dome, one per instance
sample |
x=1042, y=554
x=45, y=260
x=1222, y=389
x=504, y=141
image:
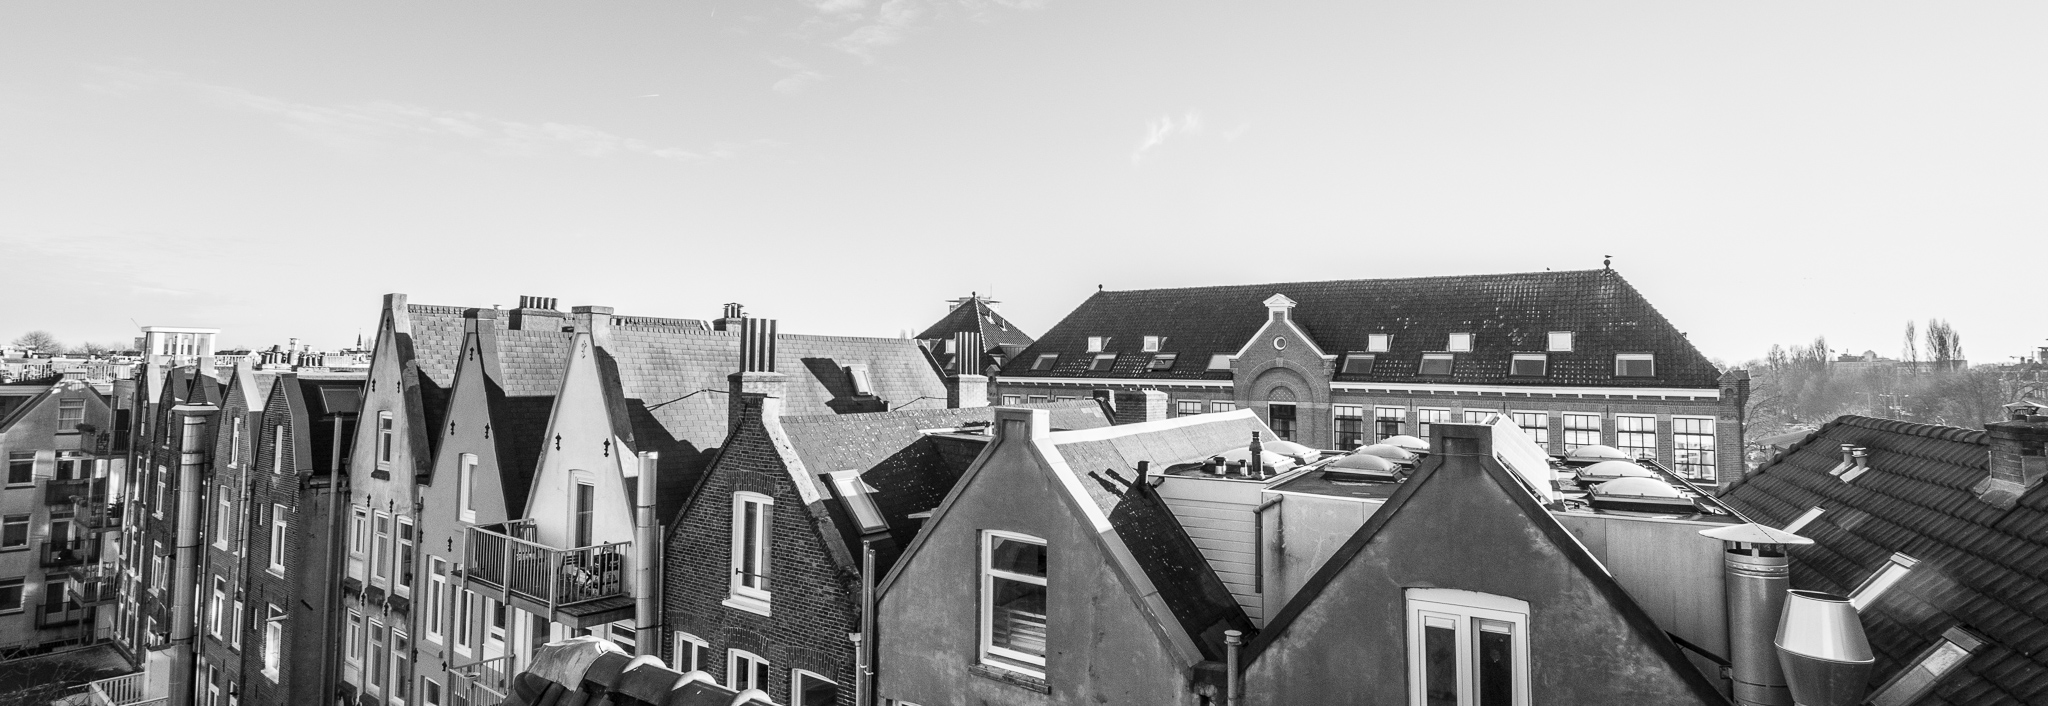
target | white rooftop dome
x=1289, y=448
x=1363, y=462
x=1639, y=487
x=1407, y=442
x=1389, y=452
x=1596, y=452
x=1616, y=469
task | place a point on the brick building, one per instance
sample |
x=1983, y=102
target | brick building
x=1576, y=358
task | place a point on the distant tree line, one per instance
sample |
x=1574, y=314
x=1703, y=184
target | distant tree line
x=1803, y=386
x=44, y=342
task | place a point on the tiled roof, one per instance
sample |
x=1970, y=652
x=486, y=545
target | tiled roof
x=1980, y=567
x=977, y=316
x=1191, y=590
x=1506, y=313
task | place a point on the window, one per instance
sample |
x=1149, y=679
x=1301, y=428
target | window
x=1804, y=519
x=1012, y=400
x=1101, y=362
x=235, y=633
x=1152, y=344
x=10, y=595
x=212, y=686
x=690, y=651
x=14, y=532
x=1096, y=344
x=1882, y=581
x=430, y=692
x=857, y=374
x=1435, y=364
x=1219, y=361
x=378, y=659
x=1635, y=365
x=1045, y=362
x=1350, y=426
x=1459, y=343
x=355, y=638
x=162, y=477
x=223, y=514
x=466, y=487
x=1280, y=416
x=401, y=666
x=745, y=670
x=1692, y=443
x=586, y=514
x=1481, y=416
x=1378, y=342
x=384, y=440
x=1912, y=683
x=1358, y=363
x=70, y=414
x=405, y=545
x=1536, y=425
x=1221, y=406
x=1013, y=605
x=1530, y=365
x=277, y=538
x=1040, y=399
x=437, y=592
x=217, y=608
x=359, y=531
x=808, y=689
x=1163, y=361
x=1425, y=416
x=1187, y=408
x=494, y=634
x=21, y=468
x=752, y=514
x=1636, y=435
x=1467, y=649
x=1581, y=430
x=380, y=549
x=624, y=635
x=273, y=641
x=465, y=613
x=1387, y=421
x=1559, y=342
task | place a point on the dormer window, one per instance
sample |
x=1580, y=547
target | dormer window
x=1635, y=365
x=1436, y=364
x=1097, y=343
x=1152, y=343
x=1560, y=342
x=1356, y=363
x=1378, y=342
x=1045, y=362
x=1101, y=362
x=1163, y=361
x=1459, y=343
x=1220, y=361
x=857, y=374
x=1530, y=365
x=951, y=346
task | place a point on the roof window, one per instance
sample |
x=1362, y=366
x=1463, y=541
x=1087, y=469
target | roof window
x=1530, y=365
x=1220, y=361
x=1882, y=581
x=1804, y=519
x=1045, y=362
x=1163, y=361
x=858, y=375
x=1097, y=343
x=1914, y=682
x=1378, y=342
x=1356, y=363
x=855, y=494
x=1635, y=365
x=1153, y=343
x=1101, y=362
x=1436, y=364
x=1559, y=342
x=1459, y=343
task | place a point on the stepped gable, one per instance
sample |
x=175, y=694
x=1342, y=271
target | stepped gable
x=1980, y=567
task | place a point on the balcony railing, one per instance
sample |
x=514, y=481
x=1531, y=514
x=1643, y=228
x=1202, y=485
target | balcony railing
x=506, y=557
x=60, y=492
x=127, y=690
x=65, y=552
x=484, y=683
x=93, y=584
x=95, y=514
x=59, y=613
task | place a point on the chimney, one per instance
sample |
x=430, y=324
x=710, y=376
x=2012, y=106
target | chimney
x=1139, y=406
x=596, y=321
x=757, y=374
x=1822, y=648
x=965, y=385
x=728, y=318
x=1255, y=465
x=1756, y=574
x=1017, y=423
x=484, y=323
x=534, y=314
x=646, y=535
x=2019, y=456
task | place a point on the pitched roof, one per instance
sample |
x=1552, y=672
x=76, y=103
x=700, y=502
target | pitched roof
x=976, y=316
x=1506, y=313
x=1980, y=567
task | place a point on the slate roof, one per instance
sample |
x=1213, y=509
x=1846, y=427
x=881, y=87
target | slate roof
x=1980, y=567
x=1198, y=599
x=1506, y=313
x=977, y=316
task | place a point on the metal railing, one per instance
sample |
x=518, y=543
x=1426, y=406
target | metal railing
x=65, y=552
x=506, y=557
x=60, y=492
x=93, y=584
x=125, y=690
x=482, y=683
x=94, y=513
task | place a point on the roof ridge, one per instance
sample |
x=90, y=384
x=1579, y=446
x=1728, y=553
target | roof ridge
x=1943, y=432
x=1492, y=275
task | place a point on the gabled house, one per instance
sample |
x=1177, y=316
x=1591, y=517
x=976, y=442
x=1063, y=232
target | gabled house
x=161, y=553
x=1053, y=573
x=1464, y=589
x=223, y=574
x=1937, y=536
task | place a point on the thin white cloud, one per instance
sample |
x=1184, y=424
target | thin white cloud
x=1158, y=131
x=892, y=22
x=800, y=76
x=852, y=27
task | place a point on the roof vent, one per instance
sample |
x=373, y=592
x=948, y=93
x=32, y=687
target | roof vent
x=1596, y=452
x=1821, y=645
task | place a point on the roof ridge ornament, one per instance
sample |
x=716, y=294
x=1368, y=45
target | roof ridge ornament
x=1279, y=303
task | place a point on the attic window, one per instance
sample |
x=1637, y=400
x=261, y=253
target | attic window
x=1435, y=364
x=1378, y=342
x=1097, y=343
x=1163, y=361
x=1881, y=581
x=1804, y=519
x=1635, y=365
x=1045, y=361
x=855, y=493
x=858, y=375
x=1459, y=343
x=1560, y=342
x=1101, y=362
x=1356, y=363
x=1220, y=361
x=1910, y=684
x=1530, y=365
x=1152, y=343
x=951, y=346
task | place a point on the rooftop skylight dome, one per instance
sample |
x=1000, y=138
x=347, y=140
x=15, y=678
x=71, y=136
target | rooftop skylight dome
x=1389, y=452
x=1608, y=470
x=1596, y=452
x=1284, y=447
x=1362, y=467
x=1638, y=487
x=1410, y=443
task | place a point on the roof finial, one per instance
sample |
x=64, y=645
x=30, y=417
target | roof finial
x=1098, y=287
x=1607, y=262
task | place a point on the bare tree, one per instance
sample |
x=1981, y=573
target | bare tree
x=1944, y=344
x=92, y=349
x=1911, y=352
x=39, y=341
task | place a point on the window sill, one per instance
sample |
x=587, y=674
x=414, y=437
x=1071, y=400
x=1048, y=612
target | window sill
x=381, y=474
x=271, y=675
x=751, y=605
x=1011, y=677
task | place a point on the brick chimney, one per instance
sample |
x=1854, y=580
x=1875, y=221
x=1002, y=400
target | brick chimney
x=535, y=314
x=1137, y=406
x=965, y=385
x=596, y=321
x=2019, y=456
x=728, y=318
x=757, y=374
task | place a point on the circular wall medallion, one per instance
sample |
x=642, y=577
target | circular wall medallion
x=1279, y=343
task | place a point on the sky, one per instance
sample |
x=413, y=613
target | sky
x=1763, y=171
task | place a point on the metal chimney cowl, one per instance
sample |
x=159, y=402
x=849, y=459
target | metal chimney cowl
x=1823, y=650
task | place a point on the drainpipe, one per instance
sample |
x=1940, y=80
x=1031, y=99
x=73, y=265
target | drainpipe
x=646, y=639
x=184, y=580
x=1233, y=683
x=864, y=654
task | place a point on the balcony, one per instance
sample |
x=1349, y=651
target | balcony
x=65, y=552
x=481, y=683
x=61, y=613
x=60, y=492
x=93, y=584
x=94, y=514
x=128, y=690
x=580, y=587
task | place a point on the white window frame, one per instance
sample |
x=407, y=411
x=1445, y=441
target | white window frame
x=1380, y=416
x=1096, y=344
x=359, y=531
x=1619, y=358
x=1012, y=400
x=466, y=482
x=380, y=547
x=437, y=586
x=376, y=658
x=1882, y=580
x=1597, y=431
x=1341, y=412
x=278, y=532
x=1222, y=406
x=430, y=691
x=1378, y=342
x=1348, y=367
x=235, y=444
x=1426, y=416
x=1542, y=360
x=990, y=654
x=1619, y=432
x=386, y=433
x=400, y=680
x=1102, y=362
x=1559, y=342
x=235, y=632
x=277, y=449
x=1449, y=359
x=1711, y=464
x=1538, y=434
x=357, y=632
x=1152, y=344
x=797, y=679
x=465, y=619
x=1465, y=609
x=1458, y=342
x=1220, y=361
x=405, y=538
x=217, y=607
x=273, y=642
x=698, y=648
x=225, y=512
x=754, y=598
x=1045, y=361
x=1189, y=408
x=1804, y=519
x=756, y=666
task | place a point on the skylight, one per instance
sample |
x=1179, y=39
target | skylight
x=1220, y=361
x=1560, y=342
x=1882, y=581
x=1459, y=343
x=1101, y=362
x=1912, y=683
x=1357, y=363
x=1163, y=361
x=1804, y=519
x=1530, y=365
x=858, y=375
x=1045, y=361
x=854, y=492
x=1378, y=342
x=1435, y=364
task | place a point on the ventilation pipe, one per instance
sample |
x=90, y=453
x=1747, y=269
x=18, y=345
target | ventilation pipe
x=1233, y=682
x=1823, y=650
x=647, y=635
x=184, y=578
x=1756, y=576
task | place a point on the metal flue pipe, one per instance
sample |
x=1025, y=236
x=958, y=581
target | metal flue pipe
x=1823, y=650
x=646, y=535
